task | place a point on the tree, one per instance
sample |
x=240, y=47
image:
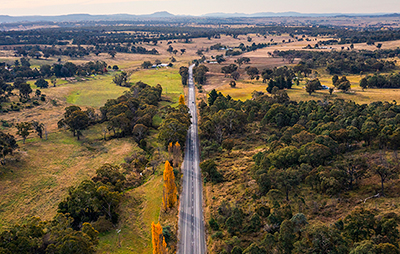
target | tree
x=364, y=83
x=75, y=119
x=313, y=85
x=369, y=130
x=354, y=169
x=181, y=99
x=184, y=72
x=112, y=53
x=229, y=69
x=254, y=249
x=242, y=60
x=285, y=179
x=385, y=173
x=139, y=132
x=252, y=72
x=286, y=237
x=359, y=224
x=7, y=145
x=54, y=81
x=342, y=84
x=23, y=130
x=177, y=154
x=210, y=172
x=321, y=239
x=109, y=174
x=146, y=64
x=183, y=51
x=232, y=83
x=42, y=83
x=38, y=127
x=121, y=79
x=24, y=90
x=199, y=74
x=170, y=190
x=235, y=75
x=159, y=244
x=172, y=130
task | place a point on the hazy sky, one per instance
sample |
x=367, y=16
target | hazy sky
x=193, y=7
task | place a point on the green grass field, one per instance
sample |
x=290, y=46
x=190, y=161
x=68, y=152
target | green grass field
x=141, y=206
x=168, y=78
x=95, y=91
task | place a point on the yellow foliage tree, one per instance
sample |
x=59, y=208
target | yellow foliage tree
x=159, y=244
x=181, y=99
x=170, y=190
x=170, y=150
x=177, y=154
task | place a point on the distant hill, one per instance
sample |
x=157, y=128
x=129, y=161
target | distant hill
x=167, y=15
x=288, y=14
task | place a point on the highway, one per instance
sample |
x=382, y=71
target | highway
x=191, y=222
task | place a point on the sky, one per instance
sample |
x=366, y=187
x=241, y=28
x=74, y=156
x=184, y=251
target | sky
x=193, y=7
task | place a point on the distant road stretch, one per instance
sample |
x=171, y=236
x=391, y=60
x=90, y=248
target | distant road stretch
x=191, y=224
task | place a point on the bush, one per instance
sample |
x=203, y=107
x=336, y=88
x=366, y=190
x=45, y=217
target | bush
x=218, y=234
x=213, y=224
x=102, y=224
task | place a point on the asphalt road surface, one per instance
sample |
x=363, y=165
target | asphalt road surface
x=191, y=222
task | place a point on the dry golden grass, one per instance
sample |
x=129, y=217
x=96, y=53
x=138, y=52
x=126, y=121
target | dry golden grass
x=37, y=178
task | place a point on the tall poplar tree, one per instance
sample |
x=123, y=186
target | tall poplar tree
x=159, y=244
x=170, y=190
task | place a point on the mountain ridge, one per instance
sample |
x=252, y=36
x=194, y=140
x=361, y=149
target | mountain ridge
x=166, y=15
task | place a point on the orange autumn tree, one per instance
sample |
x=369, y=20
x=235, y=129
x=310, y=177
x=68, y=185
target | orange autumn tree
x=181, y=99
x=177, y=153
x=159, y=244
x=170, y=190
x=170, y=150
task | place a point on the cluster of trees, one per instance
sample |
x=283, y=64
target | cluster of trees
x=37, y=52
x=158, y=239
x=55, y=236
x=199, y=74
x=133, y=112
x=320, y=145
x=25, y=91
x=327, y=147
x=129, y=115
x=362, y=231
x=89, y=208
x=96, y=200
x=22, y=69
x=231, y=71
x=381, y=81
x=340, y=62
x=175, y=125
x=184, y=72
x=281, y=78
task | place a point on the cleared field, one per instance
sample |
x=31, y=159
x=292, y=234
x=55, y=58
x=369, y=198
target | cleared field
x=95, y=91
x=168, y=78
x=140, y=207
x=37, y=180
x=243, y=91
